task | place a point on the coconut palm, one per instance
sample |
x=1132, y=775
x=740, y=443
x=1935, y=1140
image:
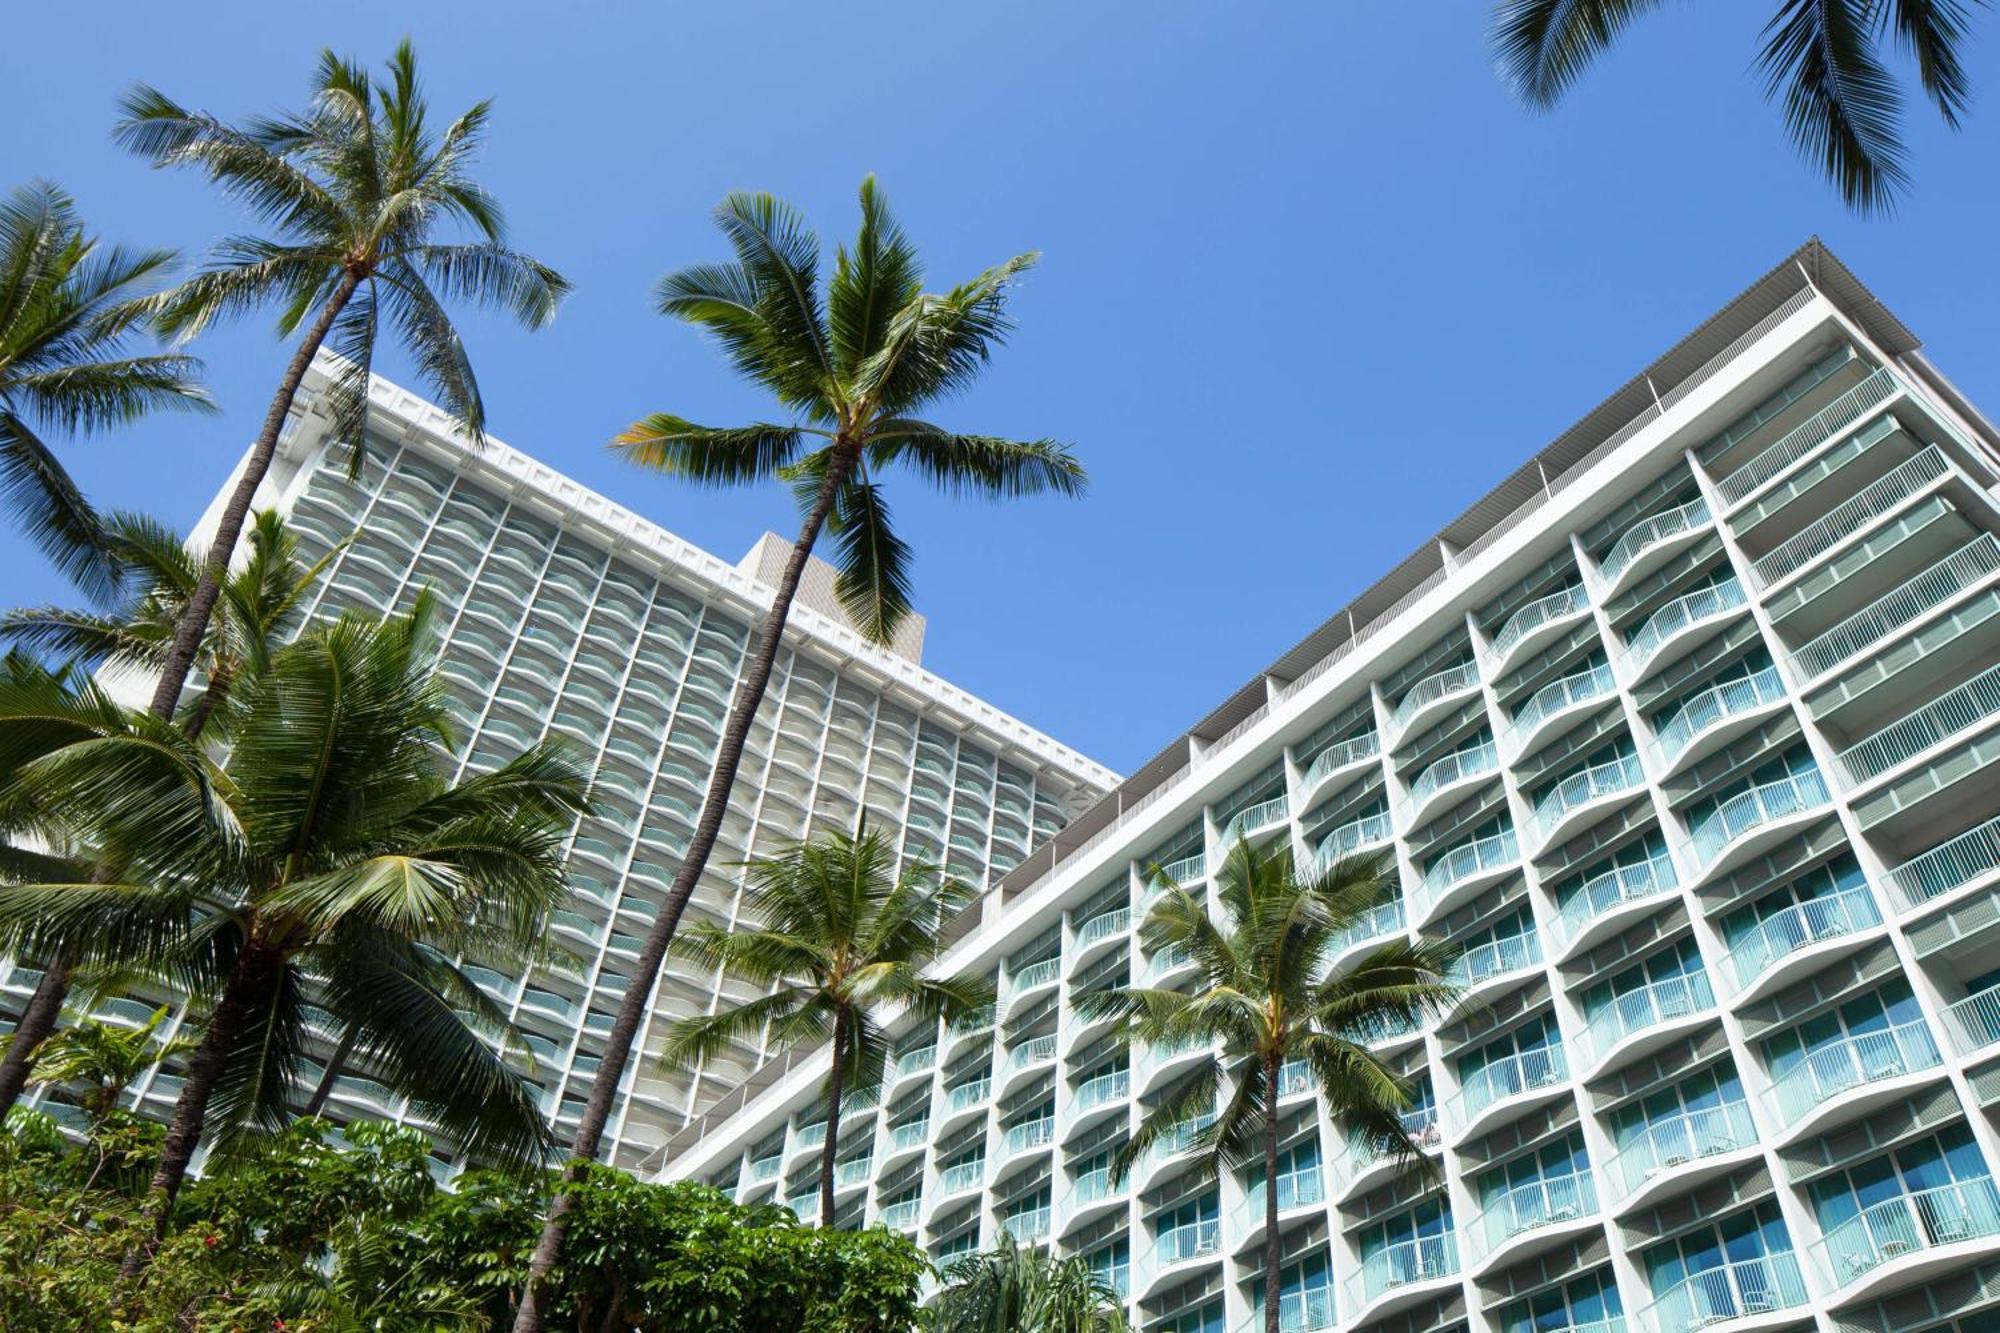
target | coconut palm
x=1021, y=1289
x=324, y=859
x=1823, y=58
x=358, y=190
x=105, y=1058
x=68, y=308
x=843, y=938
x=853, y=367
x=1268, y=999
x=158, y=573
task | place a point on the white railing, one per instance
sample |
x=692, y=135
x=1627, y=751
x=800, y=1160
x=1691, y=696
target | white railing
x=1557, y=695
x=1902, y=604
x=1537, y=614
x=1538, y=1203
x=1510, y=953
x=1739, y=1289
x=1033, y=975
x=1455, y=767
x=1295, y=1190
x=1850, y=516
x=1103, y=926
x=1099, y=1089
x=1028, y=1134
x=1378, y=922
x=1607, y=889
x=915, y=1062
x=968, y=1095
x=765, y=1168
x=1973, y=1023
x=1193, y=1241
x=1523, y=1071
x=901, y=1215
x=1635, y=1010
x=1351, y=837
x=1263, y=815
x=1752, y=809
x=1803, y=439
x=1032, y=1052
x=1167, y=960
x=1418, y=1259
x=1029, y=1224
x=1648, y=533
x=915, y=1134
x=1949, y=865
x=1609, y=778
x=1432, y=688
x=1787, y=931
x=1908, y=1223
x=1338, y=756
x=810, y=1136
x=1717, y=703
x=962, y=1176
x=1309, y=1311
x=1677, y=615
x=1469, y=859
x=1186, y=870
x=1970, y=703
x=1668, y=1144
x=1842, y=1065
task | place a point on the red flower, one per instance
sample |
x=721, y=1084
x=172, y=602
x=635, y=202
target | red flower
x=209, y=1241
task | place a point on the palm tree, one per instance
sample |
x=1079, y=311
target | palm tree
x=1822, y=57
x=106, y=1057
x=844, y=937
x=1022, y=1289
x=357, y=189
x=260, y=608
x=1268, y=998
x=323, y=860
x=67, y=309
x=852, y=368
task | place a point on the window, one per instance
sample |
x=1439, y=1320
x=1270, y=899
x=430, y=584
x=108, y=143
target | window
x=1559, y=1160
x=1113, y=1263
x=1703, y=1093
x=1193, y=1228
x=1866, y=1024
x=1946, y=1162
x=1589, y=1300
x=1742, y=1241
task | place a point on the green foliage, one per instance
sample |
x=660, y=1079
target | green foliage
x=105, y=1058
x=315, y=1233
x=1020, y=1289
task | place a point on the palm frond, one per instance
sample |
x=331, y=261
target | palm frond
x=709, y=455
x=983, y=465
x=872, y=562
x=1544, y=46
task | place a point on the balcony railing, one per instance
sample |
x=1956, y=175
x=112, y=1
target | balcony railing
x=1351, y=837
x=1843, y=1065
x=1419, y=1259
x=1648, y=1006
x=1028, y=1224
x=1294, y=1191
x=1166, y=960
x=1510, y=953
x=1469, y=859
x=1971, y=703
x=1851, y=516
x=1028, y=1134
x=1786, y=932
x=979, y=1020
x=1338, y=756
x=1940, y=583
x=904, y=1137
x=1377, y=923
x=1920, y=1220
x=766, y=1168
x=968, y=1095
x=1103, y=926
x=810, y=1136
x=1752, y=809
x=901, y=1215
x=1667, y=1145
x=962, y=1176
x=1189, y=1242
x=1676, y=616
x=1420, y=1123
x=1034, y=975
x=915, y=1062
x=1454, y=767
x=1950, y=865
x=1094, y=1187
x=1095, y=1091
x=1432, y=688
x=1032, y=1052
x=1524, y=1071
x=1609, y=778
x=1974, y=1022
x=1647, y=533
x=1552, y=698
x=846, y=1175
x=1298, y=1312
x=1537, y=614
x=1538, y=1203
x=1186, y=870
x=1738, y=1290
x=1836, y=416
x=1714, y=705
x=1263, y=815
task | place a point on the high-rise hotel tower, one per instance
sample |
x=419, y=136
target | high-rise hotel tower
x=569, y=617
x=1686, y=735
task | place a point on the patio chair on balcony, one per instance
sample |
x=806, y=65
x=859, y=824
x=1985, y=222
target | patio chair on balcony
x=1955, y=1227
x=1886, y=1065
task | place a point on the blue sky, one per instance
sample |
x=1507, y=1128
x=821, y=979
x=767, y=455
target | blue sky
x=1312, y=284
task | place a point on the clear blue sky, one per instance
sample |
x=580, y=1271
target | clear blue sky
x=1312, y=284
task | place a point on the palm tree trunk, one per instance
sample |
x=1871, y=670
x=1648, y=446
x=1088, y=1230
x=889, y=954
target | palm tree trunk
x=249, y=987
x=38, y=1020
x=334, y=1064
x=194, y=617
x=833, y=1090
x=638, y=995
x=1273, y=1249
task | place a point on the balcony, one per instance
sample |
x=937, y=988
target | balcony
x=1807, y=437
x=978, y=1023
x=1971, y=856
x=1377, y=923
x=1536, y=1204
x=1672, y=1150
x=1495, y=958
x=1507, y=1079
x=1166, y=962
x=1298, y=1312
x=1530, y=622
x=1432, y=692
x=1092, y=1194
x=1450, y=771
x=910, y=1063
x=963, y=1177
x=1800, y=926
x=766, y=1168
x=1554, y=700
x=1559, y=810
x=1294, y=1192
x=1466, y=865
x=1027, y=1136
x=1702, y=716
x=1831, y=1071
x=1743, y=1289
x=1028, y=1224
x=967, y=1098
x=1351, y=837
x=1648, y=644
x=1188, y=870
x=901, y=1215
x=851, y=1175
x=909, y=1137
x=1651, y=537
x=1339, y=758
x=1107, y=1089
x=1731, y=823
x=1964, y=568
x=1180, y=1245
x=1967, y=706
x=1032, y=978
x=1910, y=1224
x=1035, y=1051
x=1667, y=1000
x=1973, y=1023
x=1252, y=823
x=1103, y=926
x=1850, y=517
x=1407, y=1263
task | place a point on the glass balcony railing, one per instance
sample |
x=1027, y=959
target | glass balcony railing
x=1093, y=1187
x=1677, y=615
x=1180, y=1140
x=1336, y=757
x=915, y=1062
x=1256, y=819
x=1187, y=870
x=1966, y=706
x=1536, y=614
x=1029, y=1224
x=962, y=1176
x=1786, y=932
x=1554, y=697
x=1648, y=1006
x=810, y=1136
x=1609, y=778
x=1434, y=688
x=972, y=1024
x=1850, y=516
x=1668, y=1144
x=1294, y=1191
x=1103, y=926
x=1034, y=975
x=804, y=1206
x=1974, y=1022
x=1468, y=860
x=1524, y=1071
x=901, y=1215
x=1909, y=1223
x=1027, y=1135
x=1453, y=768
x=766, y=1168
x=1377, y=923
x=1752, y=809
x=1648, y=533
x=1713, y=706
x=1351, y=837
x=1940, y=583
x=914, y=1134
x=1034, y=1051
x=1510, y=953
x=966, y=1096
x=1167, y=960
x=1841, y=1066
x=1102, y=1089
x=1740, y=1289
x=1418, y=1259
x=846, y=1175
x=1377, y=1029
x=1537, y=1203
x=1950, y=865
x=1803, y=439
